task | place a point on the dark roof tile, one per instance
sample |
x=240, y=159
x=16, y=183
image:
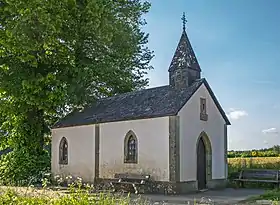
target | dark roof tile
x=142, y=104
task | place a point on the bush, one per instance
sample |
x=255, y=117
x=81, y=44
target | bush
x=21, y=168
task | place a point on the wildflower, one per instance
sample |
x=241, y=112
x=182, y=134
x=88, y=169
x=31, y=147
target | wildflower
x=47, y=174
x=87, y=186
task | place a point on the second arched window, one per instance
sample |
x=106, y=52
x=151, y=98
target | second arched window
x=63, y=151
x=131, y=148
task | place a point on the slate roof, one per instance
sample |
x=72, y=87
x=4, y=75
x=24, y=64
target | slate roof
x=142, y=104
x=184, y=56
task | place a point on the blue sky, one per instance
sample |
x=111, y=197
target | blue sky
x=237, y=43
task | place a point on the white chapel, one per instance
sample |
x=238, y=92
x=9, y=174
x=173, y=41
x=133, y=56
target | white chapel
x=176, y=133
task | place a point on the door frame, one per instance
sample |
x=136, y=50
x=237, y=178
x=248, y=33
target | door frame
x=208, y=153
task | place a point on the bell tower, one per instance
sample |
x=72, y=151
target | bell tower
x=184, y=68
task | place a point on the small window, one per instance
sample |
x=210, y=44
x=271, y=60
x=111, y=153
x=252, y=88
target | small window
x=130, y=148
x=203, y=105
x=203, y=110
x=63, y=151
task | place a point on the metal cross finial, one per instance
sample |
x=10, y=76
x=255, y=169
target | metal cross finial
x=184, y=21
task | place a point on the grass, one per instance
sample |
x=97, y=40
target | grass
x=29, y=195
x=75, y=194
x=273, y=196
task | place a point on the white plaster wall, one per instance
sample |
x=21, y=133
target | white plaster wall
x=190, y=128
x=153, y=146
x=81, y=143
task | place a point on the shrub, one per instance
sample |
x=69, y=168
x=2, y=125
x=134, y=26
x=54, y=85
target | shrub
x=20, y=168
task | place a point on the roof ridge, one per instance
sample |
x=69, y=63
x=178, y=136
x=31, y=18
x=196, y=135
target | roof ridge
x=134, y=91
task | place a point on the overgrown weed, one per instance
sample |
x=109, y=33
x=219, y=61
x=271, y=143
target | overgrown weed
x=76, y=193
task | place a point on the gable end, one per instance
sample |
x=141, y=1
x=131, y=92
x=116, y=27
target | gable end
x=217, y=103
x=212, y=96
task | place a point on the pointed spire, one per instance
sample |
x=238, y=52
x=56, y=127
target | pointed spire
x=184, y=56
x=184, y=68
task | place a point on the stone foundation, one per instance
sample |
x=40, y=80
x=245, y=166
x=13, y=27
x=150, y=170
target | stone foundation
x=217, y=183
x=187, y=187
x=173, y=188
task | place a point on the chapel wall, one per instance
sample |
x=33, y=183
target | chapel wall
x=153, y=148
x=81, y=153
x=190, y=129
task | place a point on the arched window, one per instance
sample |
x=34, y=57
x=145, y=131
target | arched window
x=63, y=151
x=130, y=148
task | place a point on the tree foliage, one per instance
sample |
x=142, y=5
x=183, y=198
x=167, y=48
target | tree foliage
x=56, y=56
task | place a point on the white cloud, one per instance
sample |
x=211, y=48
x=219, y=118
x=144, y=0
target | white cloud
x=235, y=114
x=271, y=130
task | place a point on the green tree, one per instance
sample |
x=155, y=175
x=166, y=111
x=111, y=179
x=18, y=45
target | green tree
x=56, y=56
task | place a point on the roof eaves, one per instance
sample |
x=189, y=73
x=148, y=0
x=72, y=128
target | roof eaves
x=115, y=120
x=217, y=102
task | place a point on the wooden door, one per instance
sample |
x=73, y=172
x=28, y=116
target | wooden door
x=201, y=165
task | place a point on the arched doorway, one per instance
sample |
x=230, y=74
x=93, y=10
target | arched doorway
x=204, y=161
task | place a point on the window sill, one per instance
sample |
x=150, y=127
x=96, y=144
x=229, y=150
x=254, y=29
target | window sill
x=130, y=162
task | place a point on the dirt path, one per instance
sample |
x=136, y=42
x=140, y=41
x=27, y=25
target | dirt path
x=220, y=197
